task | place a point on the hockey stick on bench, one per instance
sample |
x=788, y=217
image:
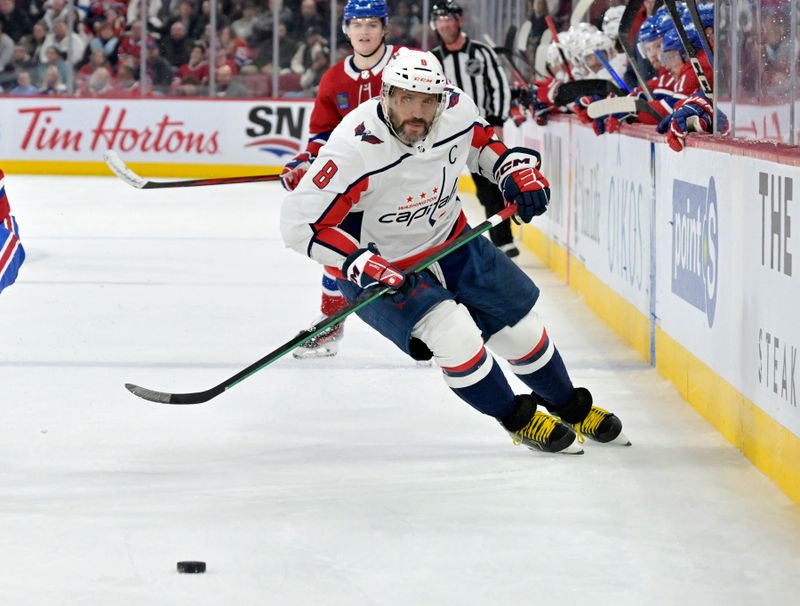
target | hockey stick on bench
x=691, y=51
x=123, y=171
x=617, y=105
x=367, y=297
x=624, y=37
x=570, y=91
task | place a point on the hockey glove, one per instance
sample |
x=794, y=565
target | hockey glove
x=517, y=174
x=295, y=169
x=693, y=114
x=366, y=268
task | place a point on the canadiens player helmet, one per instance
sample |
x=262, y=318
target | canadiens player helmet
x=364, y=9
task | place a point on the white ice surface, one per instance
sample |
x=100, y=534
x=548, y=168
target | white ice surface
x=355, y=480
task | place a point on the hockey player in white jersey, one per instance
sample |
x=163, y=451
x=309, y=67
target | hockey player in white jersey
x=382, y=194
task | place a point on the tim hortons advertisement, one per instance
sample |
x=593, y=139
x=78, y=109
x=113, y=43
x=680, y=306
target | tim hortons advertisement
x=611, y=212
x=771, y=289
x=191, y=131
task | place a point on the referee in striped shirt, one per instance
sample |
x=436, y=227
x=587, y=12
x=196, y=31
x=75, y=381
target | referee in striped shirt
x=474, y=68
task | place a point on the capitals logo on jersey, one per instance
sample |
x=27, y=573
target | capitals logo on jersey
x=361, y=131
x=453, y=98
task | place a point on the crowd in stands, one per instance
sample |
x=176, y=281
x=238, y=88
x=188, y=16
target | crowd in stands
x=97, y=50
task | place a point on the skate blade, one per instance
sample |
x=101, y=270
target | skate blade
x=317, y=352
x=621, y=440
x=573, y=449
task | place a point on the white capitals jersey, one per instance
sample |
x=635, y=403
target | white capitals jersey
x=366, y=186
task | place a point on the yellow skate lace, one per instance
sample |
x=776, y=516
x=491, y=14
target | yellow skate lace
x=591, y=423
x=538, y=429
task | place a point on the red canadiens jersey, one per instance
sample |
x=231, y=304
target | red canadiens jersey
x=343, y=88
x=687, y=83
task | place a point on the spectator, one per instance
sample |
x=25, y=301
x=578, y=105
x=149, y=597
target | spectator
x=153, y=8
x=204, y=19
x=52, y=83
x=96, y=59
x=6, y=48
x=243, y=27
x=195, y=69
x=34, y=42
x=158, y=69
x=286, y=50
x=105, y=41
x=130, y=43
x=99, y=84
x=114, y=16
x=24, y=86
x=126, y=85
x=227, y=85
x=70, y=44
x=53, y=59
x=13, y=21
x=319, y=64
x=234, y=48
x=223, y=59
x=309, y=17
x=20, y=61
x=304, y=56
x=56, y=11
x=186, y=14
x=262, y=29
x=176, y=47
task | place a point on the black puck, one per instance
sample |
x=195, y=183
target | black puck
x=191, y=567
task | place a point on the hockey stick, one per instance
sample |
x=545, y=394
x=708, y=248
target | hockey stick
x=552, y=27
x=119, y=168
x=367, y=297
x=601, y=57
x=624, y=37
x=698, y=25
x=580, y=10
x=691, y=51
x=616, y=105
x=569, y=91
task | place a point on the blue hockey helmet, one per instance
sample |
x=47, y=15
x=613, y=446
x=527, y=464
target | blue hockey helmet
x=648, y=31
x=706, y=12
x=672, y=41
x=663, y=22
x=365, y=9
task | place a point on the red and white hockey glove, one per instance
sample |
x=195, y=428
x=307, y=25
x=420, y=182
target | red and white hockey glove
x=366, y=268
x=294, y=170
x=517, y=174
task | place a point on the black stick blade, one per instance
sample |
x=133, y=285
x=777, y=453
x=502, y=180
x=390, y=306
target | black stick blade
x=163, y=397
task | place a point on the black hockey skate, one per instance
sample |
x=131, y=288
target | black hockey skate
x=590, y=421
x=539, y=431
